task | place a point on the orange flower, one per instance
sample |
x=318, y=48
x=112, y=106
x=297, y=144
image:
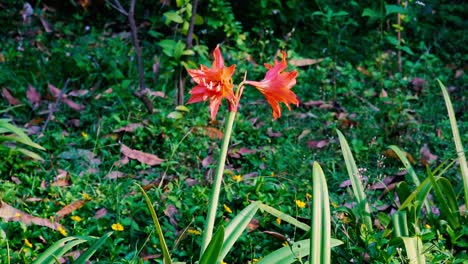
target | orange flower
x=276, y=86
x=213, y=83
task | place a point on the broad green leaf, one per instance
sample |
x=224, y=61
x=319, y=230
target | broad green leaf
x=392, y=9
x=175, y=115
x=370, y=13
x=457, y=140
x=355, y=178
x=236, y=227
x=85, y=256
x=211, y=253
x=289, y=254
x=414, y=250
x=320, y=238
x=285, y=217
x=182, y=108
x=173, y=17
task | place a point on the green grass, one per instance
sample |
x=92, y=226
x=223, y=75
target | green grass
x=276, y=173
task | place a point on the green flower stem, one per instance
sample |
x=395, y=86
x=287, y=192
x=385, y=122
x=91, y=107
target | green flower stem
x=213, y=206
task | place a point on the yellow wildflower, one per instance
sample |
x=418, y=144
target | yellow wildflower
x=227, y=209
x=237, y=178
x=427, y=226
x=76, y=218
x=84, y=135
x=272, y=174
x=300, y=204
x=278, y=220
x=193, y=231
x=27, y=243
x=285, y=244
x=254, y=260
x=62, y=231
x=117, y=227
x=222, y=262
x=86, y=197
x=308, y=196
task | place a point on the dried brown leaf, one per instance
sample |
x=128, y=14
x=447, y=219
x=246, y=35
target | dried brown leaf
x=317, y=144
x=276, y=235
x=68, y=209
x=129, y=128
x=33, y=96
x=9, y=213
x=146, y=158
x=78, y=93
x=73, y=105
x=304, y=62
x=115, y=175
x=54, y=91
x=100, y=213
x=253, y=225
x=7, y=95
x=171, y=212
x=426, y=157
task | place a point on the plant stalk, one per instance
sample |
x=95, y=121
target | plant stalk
x=213, y=203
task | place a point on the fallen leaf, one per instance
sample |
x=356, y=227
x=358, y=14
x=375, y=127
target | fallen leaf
x=459, y=73
x=157, y=93
x=389, y=153
x=317, y=144
x=214, y=133
x=73, y=105
x=272, y=134
x=54, y=91
x=68, y=209
x=78, y=93
x=314, y=103
x=62, y=179
x=7, y=95
x=304, y=133
x=363, y=71
x=190, y=182
x=304, y=62
x=16, y=180
x=253, y=224
x=145, y=158
x=33, y=96
x=45, y=24
x=100, y=213
x=418, y=84
x=207, y=161
x=9, y=213
x=171, y=212
x=276, y=235
x=129, y=128
x=426, y=157
x=115, y=175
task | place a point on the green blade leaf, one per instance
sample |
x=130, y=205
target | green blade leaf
x=414, y=250
x=290, y=254
x=355, y=178
x=236, y=227
x=90, y=251
x=157, y=226
x=320, y=238
x=457, y=140
x=58, y=249
x=285, y=217
x=211, y=254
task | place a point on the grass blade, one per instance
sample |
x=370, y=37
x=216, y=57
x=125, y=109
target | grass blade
x=355, y=178
x=211, y=253
x=320, y=239
x=457, y=140
x=445, y=195
x=236, y=227
x=90, y=252
x=411, y=172
x=285, y=217
x=165, y=250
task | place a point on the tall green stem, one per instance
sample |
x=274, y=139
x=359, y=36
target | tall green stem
x=210, y=218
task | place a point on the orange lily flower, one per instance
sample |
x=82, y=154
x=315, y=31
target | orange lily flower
x=213, y=83
x=276, y=86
